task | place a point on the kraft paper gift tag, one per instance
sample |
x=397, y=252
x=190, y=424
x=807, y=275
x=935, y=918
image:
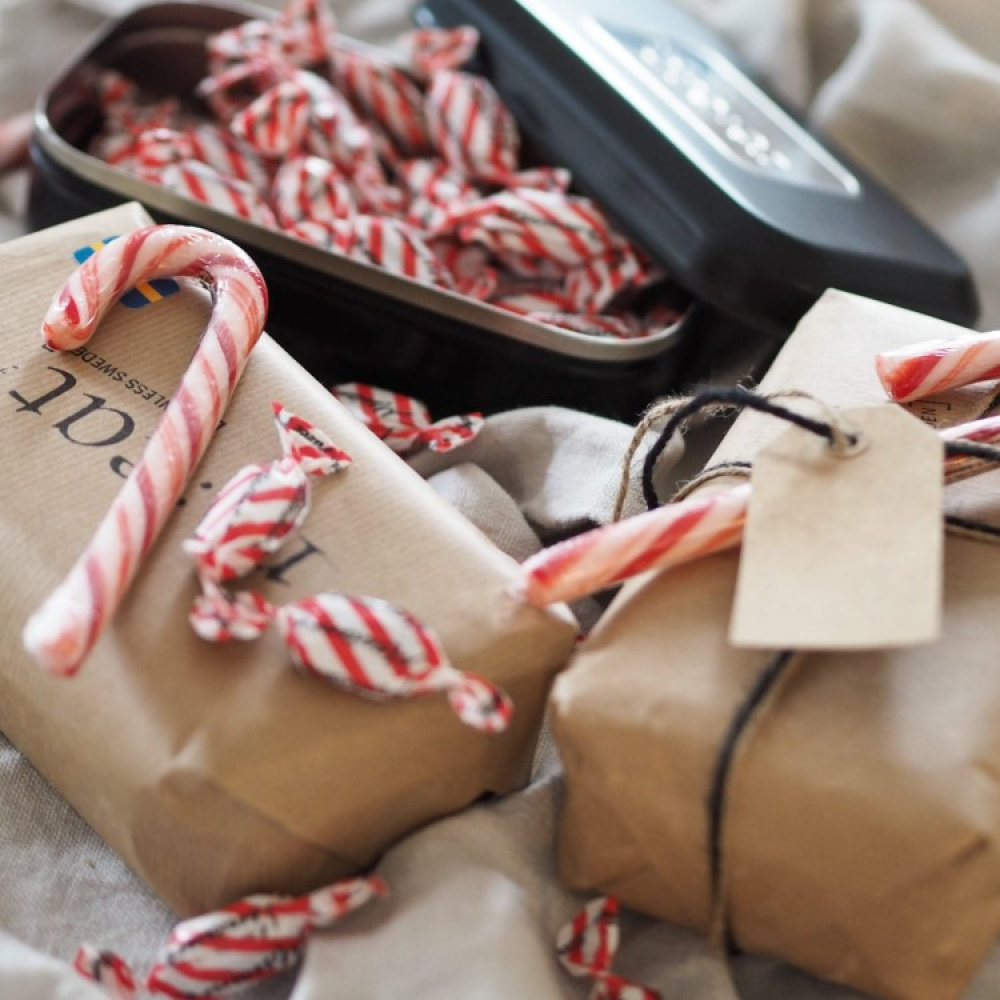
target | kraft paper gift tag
x=857, y=835
x=217, y=770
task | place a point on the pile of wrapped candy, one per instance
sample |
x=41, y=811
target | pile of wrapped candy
x=406, y=162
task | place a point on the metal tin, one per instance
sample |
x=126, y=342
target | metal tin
x=343, y=319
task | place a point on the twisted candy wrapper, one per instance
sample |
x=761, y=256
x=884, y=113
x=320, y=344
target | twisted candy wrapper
x=435, y=49
x=220, y=616
x=471, y=127
x=386, y=96
x=369, y=646
x=250, y=519
x=300, y=35
x=403, y=422
x=204, y=184
x=308, y=188
x=566, y=229
x=223, y=952
x=158, y=148
x=262, y=504
x=587, y=946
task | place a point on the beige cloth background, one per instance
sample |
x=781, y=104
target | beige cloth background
x=912, y=90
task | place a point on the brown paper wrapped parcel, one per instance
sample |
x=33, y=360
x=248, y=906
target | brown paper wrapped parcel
x=216, y=770
x=862, y=821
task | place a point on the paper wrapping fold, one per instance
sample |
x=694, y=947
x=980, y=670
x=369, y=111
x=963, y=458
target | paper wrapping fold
x=862, y=836
x=215, y=770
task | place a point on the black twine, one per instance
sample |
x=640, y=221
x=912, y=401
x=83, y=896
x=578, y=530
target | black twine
x=736, y=398
x=757, y=697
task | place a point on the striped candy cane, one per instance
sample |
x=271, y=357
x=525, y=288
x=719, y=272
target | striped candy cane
x=680, y=532
x=68, y=624
x=922, y=370
x=658, y=539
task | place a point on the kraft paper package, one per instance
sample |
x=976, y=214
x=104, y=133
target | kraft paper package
x=860, y=838
x=216, y=769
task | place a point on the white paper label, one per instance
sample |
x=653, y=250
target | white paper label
x=844, y=551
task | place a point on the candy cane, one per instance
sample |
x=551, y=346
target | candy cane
x=680, y=532
x=68, y=624
x=921, y=370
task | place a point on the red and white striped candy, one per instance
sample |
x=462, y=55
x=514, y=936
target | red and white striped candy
x=657, y=539
x=220, y=616
x=374, y=195
x=471, y=127
x=338, y=235
x=119, y=143
x=64, y=629
x=404, y=423
x=593, y=285
x=308, y=188
x=229, y=89
x=433, y=187
x=277, y=123
x=251, y=41
x=396, y=247
x=431, y=50
x=117, y=96
x=251, y=940
x=306, y=29
x=468, y=267
x=219, y=149
x=680, y=532
x=108, y=970
x=385, y=95
x=373, y=648
x=587, y=946
x=224, y=152
x=541, y=179
x=201, y=183
x=924, y=369
x=540, y=271
x=533, y=303
x=566, y=229
x=301, y=34
x=262, y=504
x=619, y=326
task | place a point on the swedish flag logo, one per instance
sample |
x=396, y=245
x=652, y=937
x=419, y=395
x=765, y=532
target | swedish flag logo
x=145, y=292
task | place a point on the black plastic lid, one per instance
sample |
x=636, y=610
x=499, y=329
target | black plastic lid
x=747, y=207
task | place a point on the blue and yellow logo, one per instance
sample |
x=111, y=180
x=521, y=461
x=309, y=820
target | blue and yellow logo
x=145, y=292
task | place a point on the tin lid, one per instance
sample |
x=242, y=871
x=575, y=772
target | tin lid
x=749, y=208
